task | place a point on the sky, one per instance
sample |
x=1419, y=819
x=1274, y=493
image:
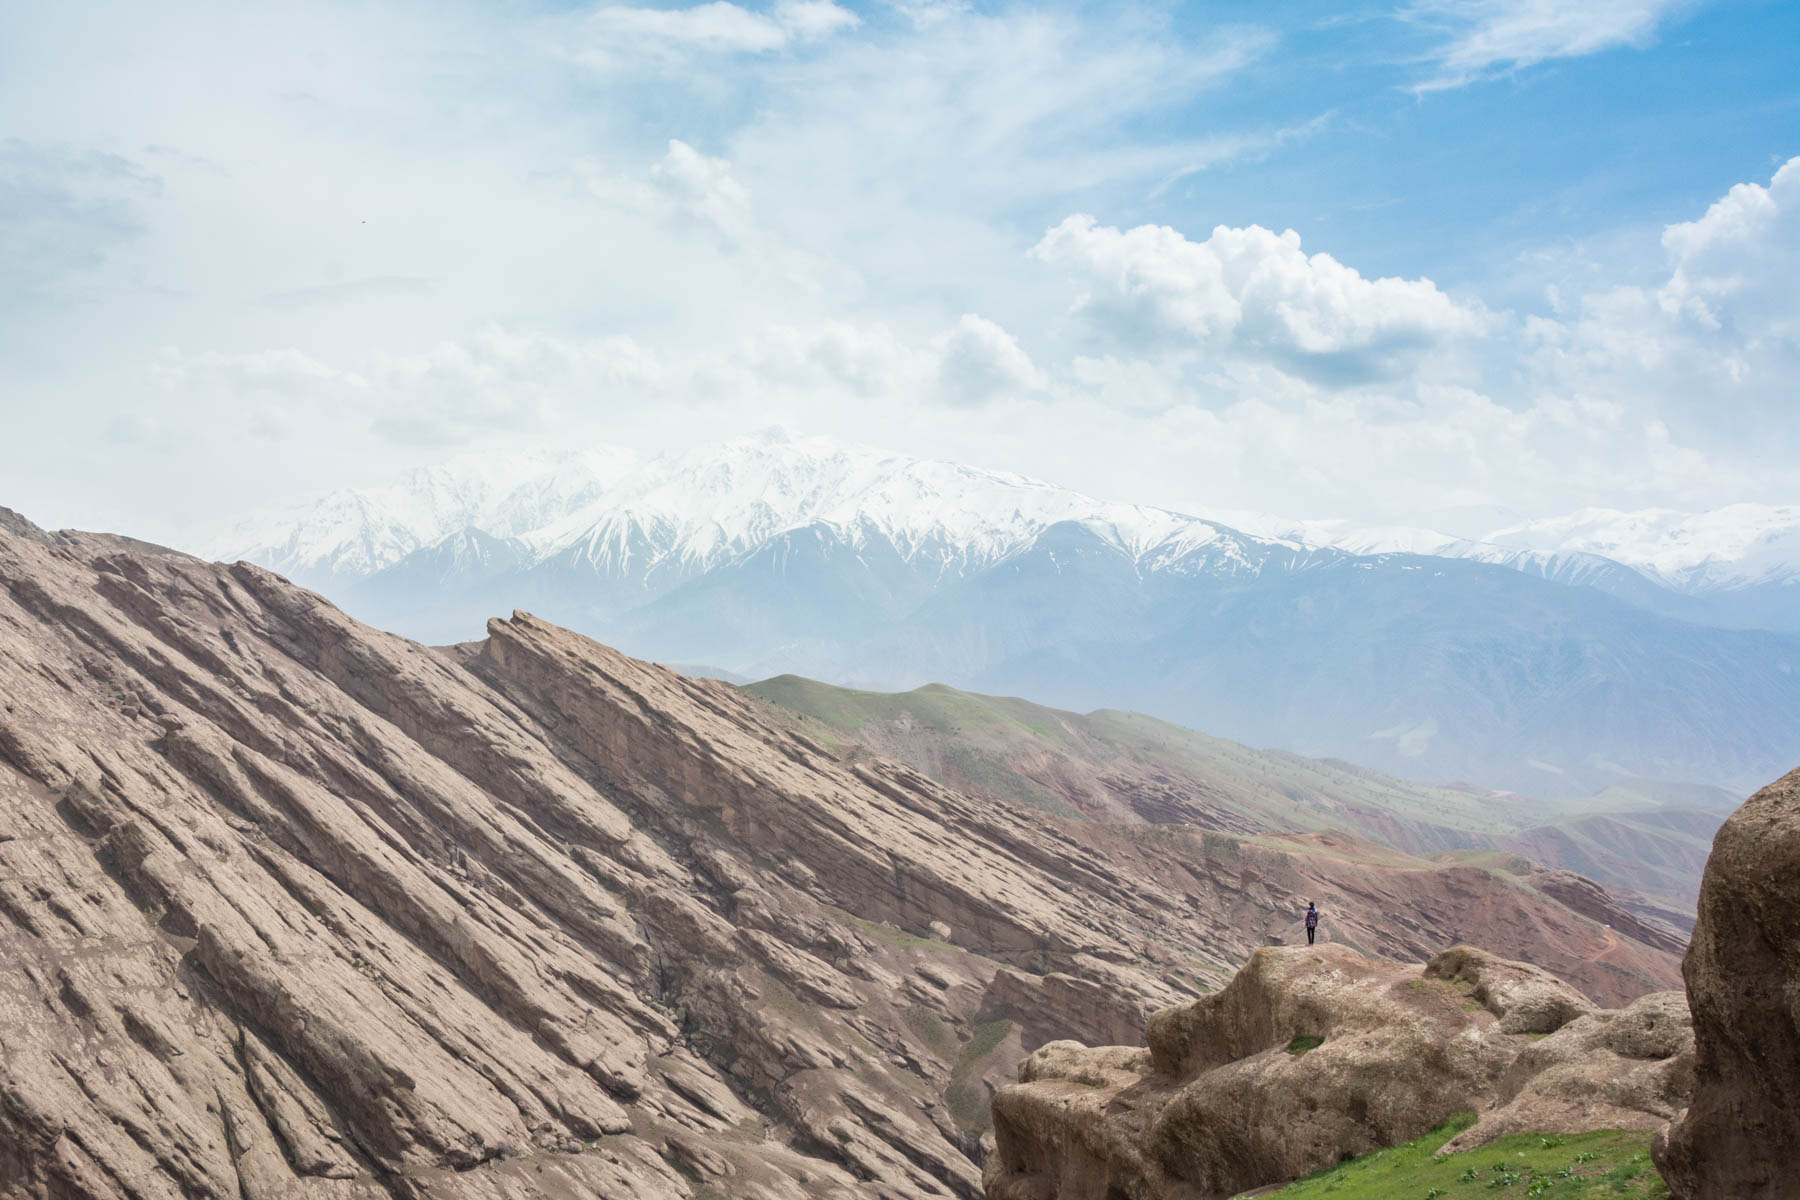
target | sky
x=1388, y=263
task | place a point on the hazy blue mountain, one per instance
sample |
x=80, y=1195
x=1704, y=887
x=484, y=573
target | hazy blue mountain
x=1539, y=664
x=1433, y=668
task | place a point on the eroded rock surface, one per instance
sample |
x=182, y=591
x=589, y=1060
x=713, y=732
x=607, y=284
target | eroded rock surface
x=293, y=908
x=1313, y=1055
x=1743, y=982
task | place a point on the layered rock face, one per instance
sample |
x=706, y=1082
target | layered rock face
x=293, y=908
x=1313, y=1055
x=1743, y=982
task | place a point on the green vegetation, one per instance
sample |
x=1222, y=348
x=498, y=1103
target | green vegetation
x=1111, y=764
x=1302, y=1043
x=929, y=1028
x=893, y=935
x=1581, y=1166
x=978, y=743
x=965, y=1095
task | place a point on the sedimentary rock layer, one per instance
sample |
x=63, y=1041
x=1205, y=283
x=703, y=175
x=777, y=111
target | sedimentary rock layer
x=291, y=907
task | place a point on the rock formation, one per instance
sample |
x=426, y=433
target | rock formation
x=294, y=908
x=1315, y=1054
x=1743, y=983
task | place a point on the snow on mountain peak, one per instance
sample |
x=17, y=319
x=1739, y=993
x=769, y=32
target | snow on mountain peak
x=1728, y=547
x=612, y=510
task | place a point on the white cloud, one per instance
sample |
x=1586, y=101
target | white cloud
x=866, y=362
x=705, y=188
x=807, y=19
x=1251, y=292
x=503, y=381
x=979, y=362
x=1713, y=349
x=1739, y=265
x=1483, y=38
x=613, y=33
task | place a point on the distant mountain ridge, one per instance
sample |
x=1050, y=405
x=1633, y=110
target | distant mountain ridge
x=613, y=510
x=1424, y=655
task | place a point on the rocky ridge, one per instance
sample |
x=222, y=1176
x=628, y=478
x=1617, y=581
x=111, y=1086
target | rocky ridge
x=1313, y=1055
x=298, y=908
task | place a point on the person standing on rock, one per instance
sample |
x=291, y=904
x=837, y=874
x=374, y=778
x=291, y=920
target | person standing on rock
x=1312, y=921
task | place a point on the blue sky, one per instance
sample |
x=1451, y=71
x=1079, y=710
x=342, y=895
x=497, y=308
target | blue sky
x=258, y=251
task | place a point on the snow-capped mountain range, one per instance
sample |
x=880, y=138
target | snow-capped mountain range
x=1544, y=656
x=622, y=514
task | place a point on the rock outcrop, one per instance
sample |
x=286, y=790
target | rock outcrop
x=1743, y=983
x=294, y=908
x=1313, y=1055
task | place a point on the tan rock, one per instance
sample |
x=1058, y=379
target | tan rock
x=1315, y=1054
x=1743, y=980
x=1525, y=998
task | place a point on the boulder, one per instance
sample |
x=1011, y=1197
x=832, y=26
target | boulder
x=1312, y=1055
x=1743, y=985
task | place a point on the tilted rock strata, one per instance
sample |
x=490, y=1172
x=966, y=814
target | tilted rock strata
x=296, y=908
x=1743, y=980
x=1314, y=1054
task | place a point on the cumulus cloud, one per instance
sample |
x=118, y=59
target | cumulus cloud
x=978, y=362
x=1739, y=265
x=974, y=363
x=865, y=361
x=616, y=31
x=1251, y=292
x=1712, y=349
x=505, y=381
x=1483, y=38
x=704, y=187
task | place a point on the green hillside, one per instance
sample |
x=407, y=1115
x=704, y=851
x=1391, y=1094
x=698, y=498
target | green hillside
x=1583, y=1166
x=1126, y=767
x=1112, y=764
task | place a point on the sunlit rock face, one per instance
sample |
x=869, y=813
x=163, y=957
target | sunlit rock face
x=1316, y=1054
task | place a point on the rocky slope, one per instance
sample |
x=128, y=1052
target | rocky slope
x=297, y=908
x=1313, y=1055
x=1743, y=980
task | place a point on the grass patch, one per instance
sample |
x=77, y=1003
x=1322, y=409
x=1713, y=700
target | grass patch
x=966, y=1096
x=929, y=1028
x=986, y=1037
x=893, y=935
x=1604, y=1165
x=1304, y=1042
